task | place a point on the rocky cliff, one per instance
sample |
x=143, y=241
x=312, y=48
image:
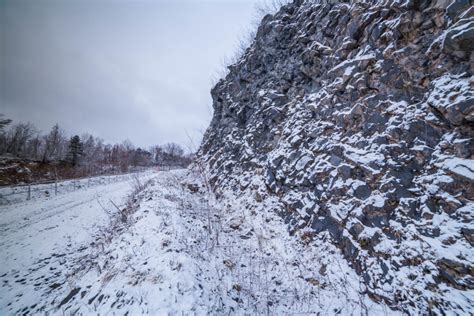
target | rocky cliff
x=358, y=116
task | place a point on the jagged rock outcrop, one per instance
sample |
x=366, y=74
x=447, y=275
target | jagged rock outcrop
x=359, y=116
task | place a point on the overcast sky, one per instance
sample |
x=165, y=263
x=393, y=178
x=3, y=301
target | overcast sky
x=137, y=70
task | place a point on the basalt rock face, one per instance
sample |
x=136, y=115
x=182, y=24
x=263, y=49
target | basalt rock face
x=359, y=117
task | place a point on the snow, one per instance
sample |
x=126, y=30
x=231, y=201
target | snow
x=303, y=162
x=459, y=166
x=376, y=200
x=182, y=253
x=33, y=229
x=350, y=62
x=19, y=193
x=363, y=157
x=448, y=88
x=47, y=230
x=348, y=71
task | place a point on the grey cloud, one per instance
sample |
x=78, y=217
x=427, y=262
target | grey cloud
x=134, y=69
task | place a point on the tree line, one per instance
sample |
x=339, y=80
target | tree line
x=25, y=141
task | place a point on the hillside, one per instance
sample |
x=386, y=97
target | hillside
x=355, y=119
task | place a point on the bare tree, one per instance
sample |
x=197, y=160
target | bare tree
x=171, y=154
x=53, y=149
x=3, y=123
x=3, y=136
x=87, y=156
x=34, y=147
x=19, y=136
x=268, y=7
x=88, y=147
x=173, y=149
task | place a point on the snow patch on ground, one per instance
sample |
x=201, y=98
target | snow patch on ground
x=183, y=252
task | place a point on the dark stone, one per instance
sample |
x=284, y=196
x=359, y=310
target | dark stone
x=452, y=272
x=362, y=192
x=374, y=240
x=327, y=224
x=468, y=233
x=349, y=251
x=376, y=118
x=457, y=7
x=464, y=148
x=344, y=171
x=356, y=229
x=335, y=160
x=404, y=175
x=460, y=40
x=429, y=231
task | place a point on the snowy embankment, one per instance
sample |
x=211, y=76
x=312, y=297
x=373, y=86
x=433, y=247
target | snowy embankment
x=180, y=251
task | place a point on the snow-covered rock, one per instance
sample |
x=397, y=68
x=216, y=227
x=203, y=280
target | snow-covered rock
x=357, y=118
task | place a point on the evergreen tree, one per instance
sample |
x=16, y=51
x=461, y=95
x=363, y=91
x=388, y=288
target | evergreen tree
x=75, y=150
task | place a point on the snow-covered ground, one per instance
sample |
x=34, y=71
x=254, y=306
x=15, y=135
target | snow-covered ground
x=182, y=252
x=38, y=236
